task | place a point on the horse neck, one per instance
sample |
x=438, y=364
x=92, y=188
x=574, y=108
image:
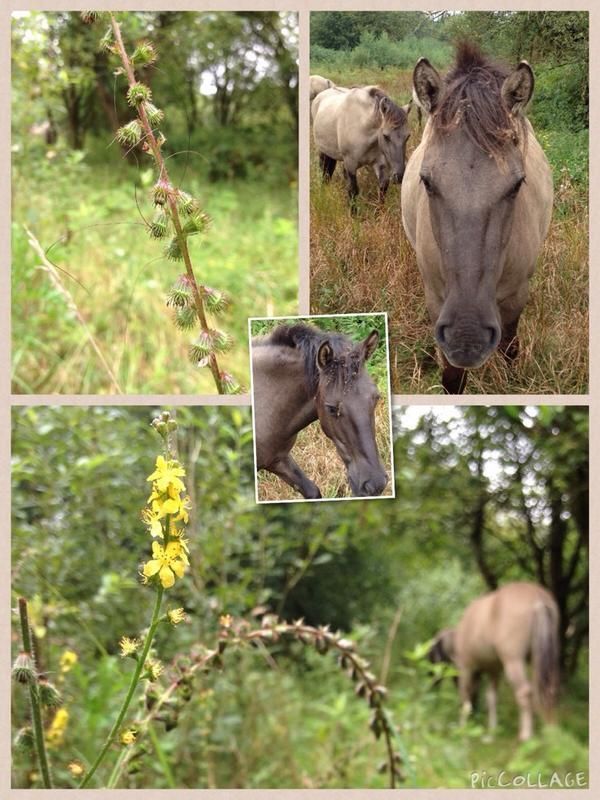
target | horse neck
x=298, y=407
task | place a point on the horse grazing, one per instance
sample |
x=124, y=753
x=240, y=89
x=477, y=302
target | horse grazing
x=360, y=127
x=501, y=631
x=301, y=374
x=476, y=206
x=318, y=84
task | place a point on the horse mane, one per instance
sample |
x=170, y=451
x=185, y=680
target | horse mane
x=391, y=113
x=343, y=366
x=472, y=98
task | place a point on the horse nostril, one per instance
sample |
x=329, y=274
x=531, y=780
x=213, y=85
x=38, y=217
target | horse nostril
x=367, y=489
x=441, y=334
x=494, y=335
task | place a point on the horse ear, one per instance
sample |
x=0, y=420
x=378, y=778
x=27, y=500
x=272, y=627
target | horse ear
x=518, y=87
x=324, y=355
x=427, y=84
x=370, y=345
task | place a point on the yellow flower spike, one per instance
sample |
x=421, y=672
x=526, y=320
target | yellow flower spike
x=68, y=660
x=58, y=726
x=166, y=474
x=168, y=562
x=154, y=669
x=128, y=737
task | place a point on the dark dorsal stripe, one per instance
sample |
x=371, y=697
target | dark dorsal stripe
x=472, y=99
x=346, y=356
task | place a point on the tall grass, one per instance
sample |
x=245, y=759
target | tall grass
x=365, y=263
x=119, y=280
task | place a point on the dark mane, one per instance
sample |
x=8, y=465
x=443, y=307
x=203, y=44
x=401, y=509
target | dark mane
x=344, y=365
x=472, y=98
x=393, y=114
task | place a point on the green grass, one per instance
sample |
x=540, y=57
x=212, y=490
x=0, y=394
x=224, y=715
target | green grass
x=90, y=211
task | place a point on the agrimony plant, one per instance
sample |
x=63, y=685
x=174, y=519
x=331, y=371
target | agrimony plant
x=177, y=214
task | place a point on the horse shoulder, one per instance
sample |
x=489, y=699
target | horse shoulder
x=358, y=127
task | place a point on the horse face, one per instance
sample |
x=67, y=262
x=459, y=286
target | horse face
x=346, y=402
x=392, y=142
x=472, y=196
x=472, y=200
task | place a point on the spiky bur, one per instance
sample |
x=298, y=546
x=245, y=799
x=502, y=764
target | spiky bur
x=178, y=215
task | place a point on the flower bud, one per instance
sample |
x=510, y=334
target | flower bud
x=138, y=93
x=155, y=115
x=230, y=384
x=159, y=227
x=185, y=318
x=24, y=740
x=216, y=301
x=23, y=670
x=49, y=694
x=173, y=250
x=129, y=135
x=144, y=54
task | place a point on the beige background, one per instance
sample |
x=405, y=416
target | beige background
x=303, y=6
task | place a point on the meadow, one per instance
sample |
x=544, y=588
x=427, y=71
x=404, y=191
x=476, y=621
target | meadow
x=314, y=451
x=279, y=712
x=365, y=263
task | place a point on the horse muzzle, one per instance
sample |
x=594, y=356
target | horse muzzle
x=373, y=486
x=467, y=346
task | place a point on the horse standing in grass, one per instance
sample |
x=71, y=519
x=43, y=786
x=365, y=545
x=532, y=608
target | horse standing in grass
x=301, y=374
x=476, y=206
x=501, y=631
x=360, y=127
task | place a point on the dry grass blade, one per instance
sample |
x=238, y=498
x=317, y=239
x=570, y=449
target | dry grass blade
x=55, y=278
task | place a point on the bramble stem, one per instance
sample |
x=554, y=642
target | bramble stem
x=36, y=710
x=131, y=691
x=152, y=142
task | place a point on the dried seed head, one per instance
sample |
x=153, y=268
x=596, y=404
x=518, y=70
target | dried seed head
x=155, y=115
x=230, y=384
x=144, y=54
x=49, y=694
x=106, y=44
x=88, y=17
x=196, y=223
x=161, y=191
x=173, y=250
x=159, y=227
x=24, y=740
x=185, y=318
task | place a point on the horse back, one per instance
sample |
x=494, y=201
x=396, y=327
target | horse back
x=346, y=123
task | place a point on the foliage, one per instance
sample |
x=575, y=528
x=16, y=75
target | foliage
x=389, y=573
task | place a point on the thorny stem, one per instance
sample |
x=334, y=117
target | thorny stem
x=150, y=138
x=131, y=691
x=36, y=711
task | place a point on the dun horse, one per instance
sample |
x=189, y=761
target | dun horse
x=500, y=631
x=301, y=374
x=476, y=206
x=361, y=127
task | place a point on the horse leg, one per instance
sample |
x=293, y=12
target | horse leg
x=491, y=696
x=509, y=343
x=465, y=690
x=352, y=186
x=517, y=676
x=453, y=378
x=287, y=469
x=327, y=166
x=383, y=181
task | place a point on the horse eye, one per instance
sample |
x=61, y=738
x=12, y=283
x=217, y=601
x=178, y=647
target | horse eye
x=514, y=191
x=428, y=185
x=333, y=410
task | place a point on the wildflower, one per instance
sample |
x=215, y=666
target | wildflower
x=168, y=562
x=167, y=474
x=128, y=646
x=58, y=726
x=76, y=769
x=128, y=737
x=151, y=518
x=154, y=669
x=225, y=620
x=68, y=660
x=176, y=615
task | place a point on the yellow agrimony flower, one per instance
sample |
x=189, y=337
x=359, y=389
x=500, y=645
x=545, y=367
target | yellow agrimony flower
x=58, y=726
x=154, y=669
x=167, y=474
x=128, y=646
x=176, y=615
x=75, y=769
x=128, y=736
x=225, y=620
x=152, y=518
x=68, y=660
x=168, y=562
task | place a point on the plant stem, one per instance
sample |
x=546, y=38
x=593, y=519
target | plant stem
x=36, y=711
x=131, y=691
x=150, y=138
